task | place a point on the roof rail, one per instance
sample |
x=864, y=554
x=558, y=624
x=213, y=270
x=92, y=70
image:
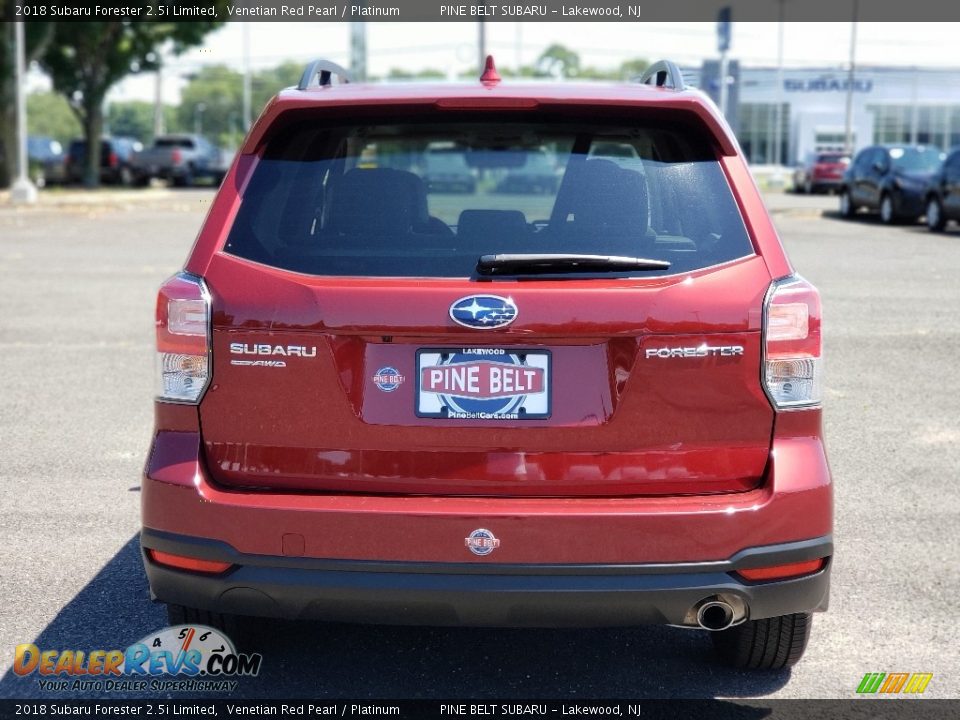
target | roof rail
x=664, y=74
x=325, y=70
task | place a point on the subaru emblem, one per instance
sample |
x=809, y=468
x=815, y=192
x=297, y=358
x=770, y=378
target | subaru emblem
x=483, y=312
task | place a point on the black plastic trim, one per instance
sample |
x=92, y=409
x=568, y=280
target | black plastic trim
x=479, y=594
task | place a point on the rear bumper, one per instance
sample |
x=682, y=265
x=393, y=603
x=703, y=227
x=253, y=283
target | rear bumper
x=826, y=183
x=578, y=561
x=508, y=595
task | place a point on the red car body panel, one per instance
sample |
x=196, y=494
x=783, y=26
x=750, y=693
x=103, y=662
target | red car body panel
x=793, y=504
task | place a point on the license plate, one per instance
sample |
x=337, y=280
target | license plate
x=483, y=384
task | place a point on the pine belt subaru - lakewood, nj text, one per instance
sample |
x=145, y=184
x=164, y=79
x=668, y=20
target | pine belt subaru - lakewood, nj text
x=594, y=405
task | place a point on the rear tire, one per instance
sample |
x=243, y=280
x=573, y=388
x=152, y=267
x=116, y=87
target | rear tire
x=847, y=208
x=888, y=215
x=935, y=219
x=769, y=644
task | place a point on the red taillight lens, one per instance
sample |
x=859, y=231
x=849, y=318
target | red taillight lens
x=183, y=338
x=779, y=572
x=176, y=156
x=113, y=160
x=793, y=350
x=181, y=562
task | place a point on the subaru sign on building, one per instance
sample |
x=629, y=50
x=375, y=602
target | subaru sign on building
x=898, y=105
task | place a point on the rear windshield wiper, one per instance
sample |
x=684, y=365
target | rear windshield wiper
x=555, y=263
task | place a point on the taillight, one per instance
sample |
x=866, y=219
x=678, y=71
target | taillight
x=793, y=350
x=176, y=156
x=183, y=338
x=113, y=159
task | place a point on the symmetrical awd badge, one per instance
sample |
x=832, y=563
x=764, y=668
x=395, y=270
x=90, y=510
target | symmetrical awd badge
x=483, y=312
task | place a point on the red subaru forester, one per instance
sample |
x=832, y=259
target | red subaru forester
x=589, y=400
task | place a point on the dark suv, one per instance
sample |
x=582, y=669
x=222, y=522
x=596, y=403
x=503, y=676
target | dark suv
x=943, y=193
x=892, y=179
x=590, y=407
x=116, y=157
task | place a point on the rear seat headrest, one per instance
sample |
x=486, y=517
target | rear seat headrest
x=380, y=201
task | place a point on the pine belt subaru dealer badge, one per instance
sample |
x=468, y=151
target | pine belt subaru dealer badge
x=482, y=542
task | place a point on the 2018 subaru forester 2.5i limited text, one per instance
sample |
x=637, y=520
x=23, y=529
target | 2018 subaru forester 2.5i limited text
x=598, y=406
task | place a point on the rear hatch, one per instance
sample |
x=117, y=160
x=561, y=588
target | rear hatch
x=360, y=346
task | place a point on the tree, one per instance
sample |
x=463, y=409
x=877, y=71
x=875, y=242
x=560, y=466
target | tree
x=134, y=118
x=424, y=74
x=213, y=97
x=86, y=59
x=38, y=36
x=558, y=61
x=633, y=68
x=49, y=115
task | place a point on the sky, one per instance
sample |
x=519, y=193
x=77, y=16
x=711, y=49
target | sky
x=453, y=46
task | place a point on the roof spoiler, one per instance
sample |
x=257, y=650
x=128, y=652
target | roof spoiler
x=323, y=71
x=664, y=74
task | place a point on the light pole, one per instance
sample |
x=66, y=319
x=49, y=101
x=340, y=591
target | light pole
x=246, y=77
x=778, y=111
x=23, y=191
x=481, y=45
x=158, y=124
x=198, y=118
x=358, y=50
x=848, y=134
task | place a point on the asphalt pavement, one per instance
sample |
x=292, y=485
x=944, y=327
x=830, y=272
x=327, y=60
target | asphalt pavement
x=77, y=292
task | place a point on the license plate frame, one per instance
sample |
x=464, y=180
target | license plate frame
x=519, y=368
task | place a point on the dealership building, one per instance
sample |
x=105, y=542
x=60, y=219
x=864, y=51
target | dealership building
x=890, y=105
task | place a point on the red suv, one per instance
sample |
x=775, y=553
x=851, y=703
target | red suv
x=596, y=406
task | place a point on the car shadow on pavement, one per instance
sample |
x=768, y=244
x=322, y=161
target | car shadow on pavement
x=355, y=661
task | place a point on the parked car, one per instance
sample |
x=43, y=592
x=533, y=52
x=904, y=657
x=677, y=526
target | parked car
x=892, y=179
x=180, y=159
x=366, y=412
x=46, y=160
x=943, y=193
x=623, y=154
x=822, y=171
x=115, y=160
x=537, y=175
x=447, y=170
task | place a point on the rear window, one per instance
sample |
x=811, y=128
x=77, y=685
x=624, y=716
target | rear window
x=918, y=159
x=185, y=143
x=428, y=199
x=833, y=158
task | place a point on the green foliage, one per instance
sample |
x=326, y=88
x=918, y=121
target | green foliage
x=558, y=61
x=86, y=59
x=425, y=74
x=49, y=115
x=135, y=119
x=214, y=97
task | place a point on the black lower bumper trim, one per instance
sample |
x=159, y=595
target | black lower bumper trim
x=480, y=595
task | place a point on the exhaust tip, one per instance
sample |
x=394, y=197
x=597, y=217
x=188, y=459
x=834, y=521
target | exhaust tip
x=715, y=615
